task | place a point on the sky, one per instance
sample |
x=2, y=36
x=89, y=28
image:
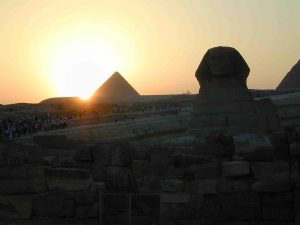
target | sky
x=70, y=47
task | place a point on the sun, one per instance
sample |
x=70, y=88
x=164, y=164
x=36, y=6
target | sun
x=80, y=66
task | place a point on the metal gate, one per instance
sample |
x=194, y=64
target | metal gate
x=129, y=208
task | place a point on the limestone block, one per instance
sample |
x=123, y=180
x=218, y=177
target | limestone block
x=295, y=148
x=233, y=185
x=207, y=186
x=204, y=170
x=172, y=185
x=253, y=147
x=235, y=168
x=175, y=198
x=272, y=185
x=270, y=170
x=120, y=178
x=87, y=211
x=83, y=154
x=86, y=197
x=54, y=204
x=50, y=141
x=278, y=207
x=22, y=180
x=241, y=206
x=15, y=207
x=68, y=179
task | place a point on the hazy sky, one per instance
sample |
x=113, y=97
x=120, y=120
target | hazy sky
x=64, y=48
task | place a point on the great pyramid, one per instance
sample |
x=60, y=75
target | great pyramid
x=292, y=79
x=115, y=89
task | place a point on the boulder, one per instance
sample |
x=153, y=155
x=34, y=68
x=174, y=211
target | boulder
x=233, y=185
x=271, y=170
x=207, y=186
x=204, y=170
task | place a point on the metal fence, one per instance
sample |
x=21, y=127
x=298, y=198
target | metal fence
x=129, y=208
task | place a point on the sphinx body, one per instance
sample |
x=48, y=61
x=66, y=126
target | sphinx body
x=224, y=103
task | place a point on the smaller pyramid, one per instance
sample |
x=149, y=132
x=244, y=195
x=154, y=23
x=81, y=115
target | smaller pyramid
x=292, y=79
x=115, y=89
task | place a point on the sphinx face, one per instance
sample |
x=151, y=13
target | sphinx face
x=220, y=64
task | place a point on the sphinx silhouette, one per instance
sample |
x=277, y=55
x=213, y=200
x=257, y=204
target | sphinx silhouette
x=224, y=103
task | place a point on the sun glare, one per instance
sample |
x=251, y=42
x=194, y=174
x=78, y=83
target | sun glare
x=80, y=66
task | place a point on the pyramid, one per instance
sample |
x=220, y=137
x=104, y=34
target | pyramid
x=292, y=79
x=115, y=89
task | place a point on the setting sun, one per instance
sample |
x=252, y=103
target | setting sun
x=79, y=66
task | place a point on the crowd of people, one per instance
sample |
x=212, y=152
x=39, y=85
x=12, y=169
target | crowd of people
x=29, y=124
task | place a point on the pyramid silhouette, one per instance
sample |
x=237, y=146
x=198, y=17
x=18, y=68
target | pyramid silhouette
x=292, y=79
x=115, y=89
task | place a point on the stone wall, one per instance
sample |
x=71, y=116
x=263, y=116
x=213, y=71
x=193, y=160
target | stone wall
x=245, y=179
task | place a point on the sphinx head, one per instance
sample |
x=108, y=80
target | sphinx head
x=222, y=63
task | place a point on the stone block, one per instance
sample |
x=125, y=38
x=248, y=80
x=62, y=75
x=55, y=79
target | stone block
x=172, y=185
x=50, y=141
x=182, y=159
x=207, y=186
x=87, y=211
x=68, y=179
x=112, y=154
x=235, y=168
x=15, y=207
x=295, y=148
x=273, y=185
x=233, y=185
x=204, y=170
x=138, y=168
x=83, y=154
x=270, y=170
x=86, y=197
x=99, y=173
x=120, y=178
x=253, y=147
x=241, y=206
x=278, y=207
x=175, y=198
x=22, y=180
x=54, y=204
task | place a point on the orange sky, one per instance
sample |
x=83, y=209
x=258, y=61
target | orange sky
x=69, y=47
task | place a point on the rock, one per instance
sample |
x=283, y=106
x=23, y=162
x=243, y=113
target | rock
x=235, y=168
x=231, y=185
x=278, y=207
x=87, y=211
x=68, y=179
x=15, y=207
x=204, y=170
x=172, y=185
x=253, y=147
x=54, y=204
x=50, y=141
